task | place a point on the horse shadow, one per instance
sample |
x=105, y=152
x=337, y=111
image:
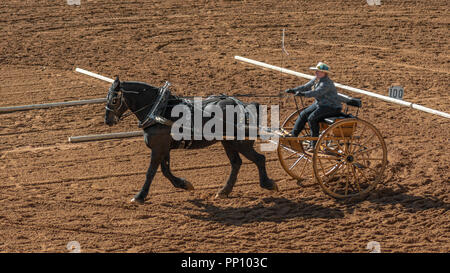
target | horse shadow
x=272, y=209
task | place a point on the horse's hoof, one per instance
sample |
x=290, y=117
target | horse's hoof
x=275, y=188
x=272, y=187
x=137, y=200
x=221, y=195
x=188, y=185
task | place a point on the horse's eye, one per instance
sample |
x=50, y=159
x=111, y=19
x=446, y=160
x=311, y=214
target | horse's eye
x=114, y=101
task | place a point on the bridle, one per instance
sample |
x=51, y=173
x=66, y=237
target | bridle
x=120, y=97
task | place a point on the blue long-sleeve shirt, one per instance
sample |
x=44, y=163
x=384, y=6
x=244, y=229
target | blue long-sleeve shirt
x=323, y=91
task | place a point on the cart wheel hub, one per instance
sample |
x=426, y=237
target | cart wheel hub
x=349, y=159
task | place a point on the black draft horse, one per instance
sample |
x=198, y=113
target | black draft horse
x=139, y=97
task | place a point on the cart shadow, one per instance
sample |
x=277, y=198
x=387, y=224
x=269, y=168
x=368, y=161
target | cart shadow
x=388, y=196
x=271, y=209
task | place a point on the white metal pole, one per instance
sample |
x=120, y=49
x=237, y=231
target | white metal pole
x=349, y=88
x=273, y=67
x=8, y=109
x=85, y=138
x=92, y=74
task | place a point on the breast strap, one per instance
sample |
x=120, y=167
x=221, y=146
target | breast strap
x=154, y=115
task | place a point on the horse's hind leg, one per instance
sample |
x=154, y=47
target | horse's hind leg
x=177, y=182
x=236, y=163
x=246, y=148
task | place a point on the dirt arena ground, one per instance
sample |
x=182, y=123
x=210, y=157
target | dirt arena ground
x=53, y=192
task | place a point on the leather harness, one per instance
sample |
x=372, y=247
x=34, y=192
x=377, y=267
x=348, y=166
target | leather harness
x=155, y=114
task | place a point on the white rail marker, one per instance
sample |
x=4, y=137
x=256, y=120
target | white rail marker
x=282, y=44
x=349, y=88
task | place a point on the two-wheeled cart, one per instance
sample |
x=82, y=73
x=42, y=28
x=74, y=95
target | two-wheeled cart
x=348, y=160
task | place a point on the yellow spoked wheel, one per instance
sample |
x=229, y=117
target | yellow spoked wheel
x=291, y=151
x=349, y=158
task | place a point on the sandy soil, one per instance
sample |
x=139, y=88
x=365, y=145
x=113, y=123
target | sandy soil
x=53, y=192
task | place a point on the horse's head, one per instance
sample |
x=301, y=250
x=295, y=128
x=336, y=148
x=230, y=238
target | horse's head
x=115, y=105
x=138, y=97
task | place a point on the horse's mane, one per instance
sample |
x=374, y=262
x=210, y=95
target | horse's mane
x=137, y=86
x=142, y=93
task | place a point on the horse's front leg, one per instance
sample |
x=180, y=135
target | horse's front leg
x=177, y=182
x=155, y=161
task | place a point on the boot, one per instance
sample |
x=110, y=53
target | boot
x=312, y=145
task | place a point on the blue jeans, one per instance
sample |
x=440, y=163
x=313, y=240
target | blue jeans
x=313, y=114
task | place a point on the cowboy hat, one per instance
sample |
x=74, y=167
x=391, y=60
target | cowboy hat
x=321, y=67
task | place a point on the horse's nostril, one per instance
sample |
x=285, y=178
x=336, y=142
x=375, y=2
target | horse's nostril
x=110, y=121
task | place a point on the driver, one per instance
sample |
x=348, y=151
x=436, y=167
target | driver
x=327, y=103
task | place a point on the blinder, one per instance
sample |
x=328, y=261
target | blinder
x=113, y=98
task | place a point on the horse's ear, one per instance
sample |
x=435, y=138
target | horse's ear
x=116, y=83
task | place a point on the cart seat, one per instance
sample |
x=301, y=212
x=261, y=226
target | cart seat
x=332, y=120
x=354, y=102
x=345, y=130
x=350, y=101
